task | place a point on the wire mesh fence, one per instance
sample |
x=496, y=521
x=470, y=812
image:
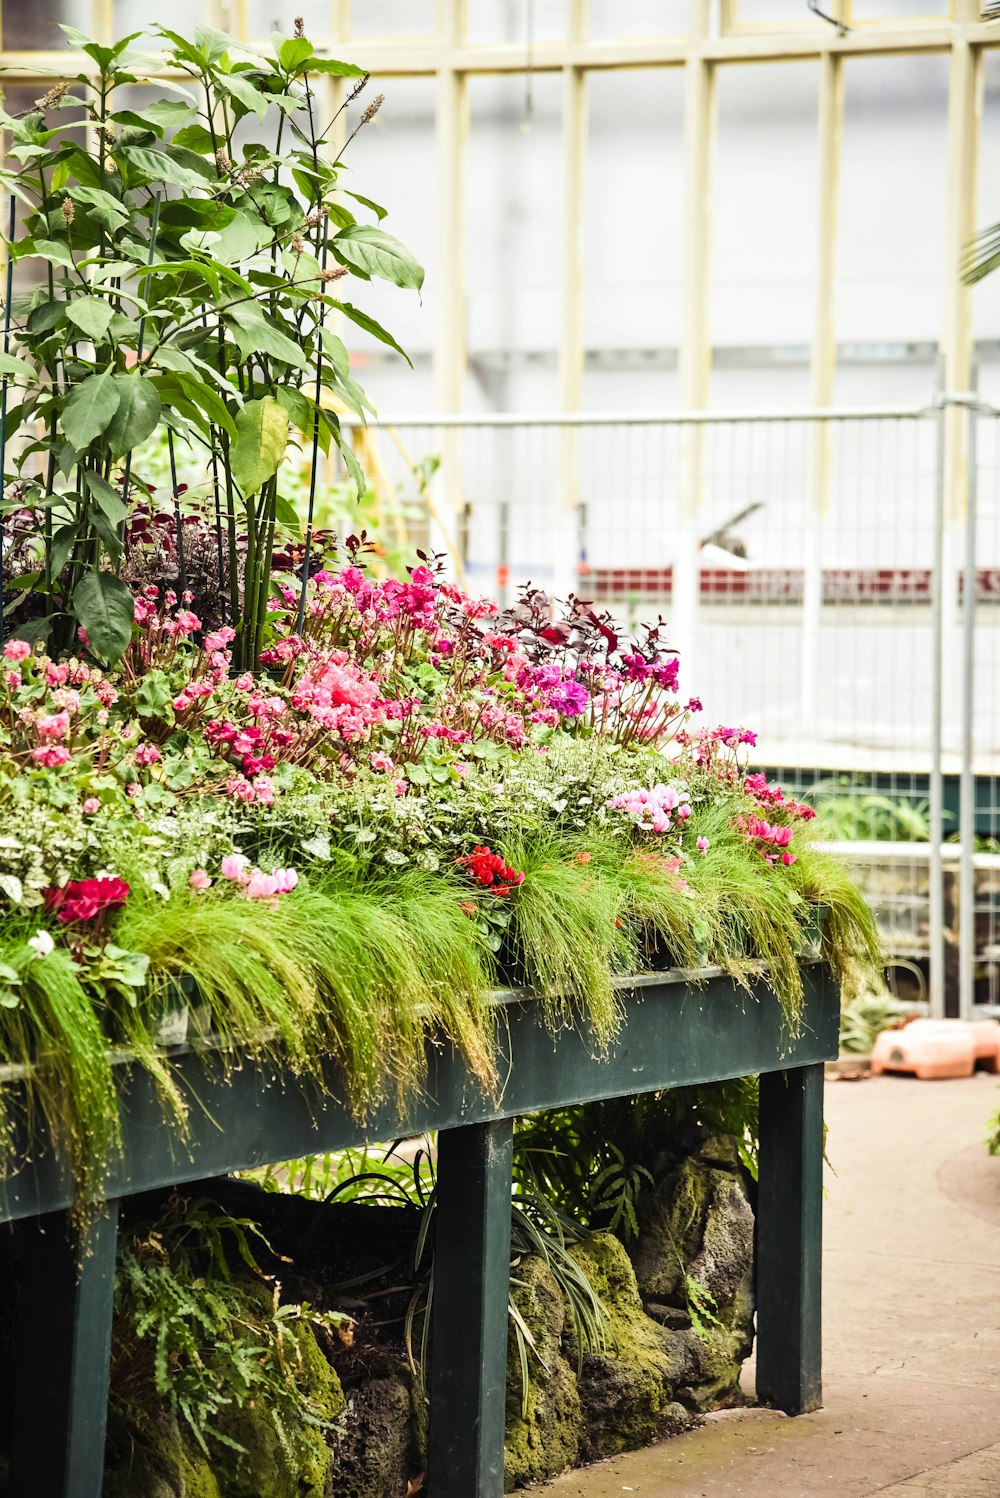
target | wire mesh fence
x=812, y=568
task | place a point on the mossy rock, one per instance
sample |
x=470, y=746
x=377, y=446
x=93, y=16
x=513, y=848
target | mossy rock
x=543, y=1418
x=151, y=1459
x=374, y=1447
x=626, y=1392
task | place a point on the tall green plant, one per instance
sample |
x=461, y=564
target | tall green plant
x=188, y=251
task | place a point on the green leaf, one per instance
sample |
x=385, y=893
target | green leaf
x=107, y=498
x=90, y=408
x=261, y=439
x=353, y=466
x=362, y=320
x=212, y=44
x=10, y=364
x=195, y=138
x=299, y=408
x=244, y=92
x=104, y=607
x=377, y=254
x=92, y=315
x=54, y=250
x=160, y=167
x=154, y=699
x=105, y=208
x=335, y=69
x=46, y=317
x=262, y=336
x=376, y=208
x=61, y=548
x=293, y=52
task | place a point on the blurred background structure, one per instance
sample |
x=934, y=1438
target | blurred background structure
x=695, y=339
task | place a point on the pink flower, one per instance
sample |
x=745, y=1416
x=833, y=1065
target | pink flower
x=286, y=880
x=53, y=725
x=188, y=622
x=199, y=880
x=13, y=680
x=234, y=867
x=400, y=787
x=261, y=886
x=147, y=754
x=244, y=683
x=380, y=761
x=702, y=845
x=133, y=790
x=83, y=636
x=56, y=675
x=263, y=789
x=219, y=639
x=91, y=805
x=16, y=650
x=50, y=758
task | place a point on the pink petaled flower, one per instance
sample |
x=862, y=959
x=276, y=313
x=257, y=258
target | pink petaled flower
x=182, y=702
x=198, y=879
x=286, y=880
x=570, y=698
x=240, y=788
x=106, y=693
x=83, y=899
x=50, y=758
x=67, y=698
x=234, y=866
x=244, y=683
x=147, y=754
x=188, y=622
x=91, y=805
x=382, y=762
x=53, y=725
x=400, y=787
x=260, y=886
x=16, y=650
x=83, y=636
x=56, y=675
x=219, y=639
x=702, y=845
x=13, y=680
x=263, y=790
x=133, y=790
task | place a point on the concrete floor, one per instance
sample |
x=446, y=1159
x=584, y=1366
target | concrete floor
x=911, y=1323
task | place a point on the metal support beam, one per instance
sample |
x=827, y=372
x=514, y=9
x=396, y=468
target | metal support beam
x=566, y=537
x=469, y=1312
x=789, y=1240
x=65, y=1299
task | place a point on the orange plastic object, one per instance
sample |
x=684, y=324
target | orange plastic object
x=934, y=1049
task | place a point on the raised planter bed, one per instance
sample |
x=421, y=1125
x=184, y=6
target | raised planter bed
x=679, y=1028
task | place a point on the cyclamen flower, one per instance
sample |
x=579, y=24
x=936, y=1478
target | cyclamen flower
x=84, y=899
x=91, y=805
x=234, y=867
x=42, y=944
x=702, y=845
x=770, y=836
x=653, y=810
x=489, y=870
x=199, y=880
x=570, y=698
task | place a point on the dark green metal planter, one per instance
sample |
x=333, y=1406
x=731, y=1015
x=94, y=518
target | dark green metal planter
x=675, y=1032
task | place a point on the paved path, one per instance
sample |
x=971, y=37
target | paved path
x=911, y=1323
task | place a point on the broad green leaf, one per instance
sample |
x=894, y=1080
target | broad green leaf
x=261, y=439
x=362, y=320
x=353, y=466
x=107, y=499
x=10, y=364
x=90, y=408
x=195, y=138
x=376, y=208
x=212, y=44
x=160, y=167
x=54, y=250
x=92, y=315
x=241, y=238
x=62, y=546
x=137, y=414
x=335, y=69
x=293, y=52
x=104, y=207
x=154, y=699
x=286, y=514
x=300, y=410
x=243, y=91
x=108, y=533
x=104, y=606
x=262, y=336
x=336, y=352
x=377, y=254
x=44, y=318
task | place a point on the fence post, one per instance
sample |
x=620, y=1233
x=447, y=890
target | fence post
x=936, y=868
x=967, y=784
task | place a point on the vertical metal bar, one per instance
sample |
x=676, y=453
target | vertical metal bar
x=469, y=1317
x=8, y=293
x=565, y=533
x=967, y=783
x=65, y=1301
x=936, y=868
x=789, y=1239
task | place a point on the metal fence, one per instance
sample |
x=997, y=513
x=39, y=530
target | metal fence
x=831, y=579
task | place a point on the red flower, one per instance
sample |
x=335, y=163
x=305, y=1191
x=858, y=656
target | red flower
x=489, y=870
x=83, y=899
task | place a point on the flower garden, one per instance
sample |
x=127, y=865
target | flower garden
x=258, y=795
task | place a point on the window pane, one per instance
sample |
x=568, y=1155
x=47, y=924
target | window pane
x=514, y=229
x=35, y=26
x=986, y=294
x=897, y=10
x=265, y=16
x=633, y=235
x=764, y=214
x=611, y=19
x=393, y=17
x=145, y=15
x=891, y=246
x=780, y=13
x=392, y=161
x=523, y=21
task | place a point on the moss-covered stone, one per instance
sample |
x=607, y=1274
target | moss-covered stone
x=626, y=1392
x=374, y=1444
x=543, y=1412
x=699, y=1223
x=151, y=1459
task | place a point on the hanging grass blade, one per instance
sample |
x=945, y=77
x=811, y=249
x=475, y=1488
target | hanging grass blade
x=3, y=388
x=300, y=620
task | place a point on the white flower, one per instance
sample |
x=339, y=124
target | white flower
x=41, y=944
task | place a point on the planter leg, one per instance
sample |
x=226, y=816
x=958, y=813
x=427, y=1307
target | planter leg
x=468, y=1375
x=789, y=1239
x=65, y=1300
